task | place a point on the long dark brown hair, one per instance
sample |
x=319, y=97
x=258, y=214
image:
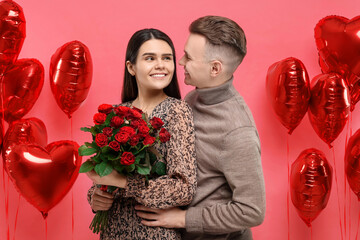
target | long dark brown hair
x=130, y=89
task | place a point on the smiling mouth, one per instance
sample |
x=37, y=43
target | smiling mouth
x=158, y=75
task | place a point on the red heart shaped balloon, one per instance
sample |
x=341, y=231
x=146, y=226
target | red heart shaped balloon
x=338, y=41
x=71, y=75
x=43, y=175
x=25, y=131
x=329, y=106
x=352, y=163
x=288, y=89
x=310, y=184
x=12, y=32
x=21, y=87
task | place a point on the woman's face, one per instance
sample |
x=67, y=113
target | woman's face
x=154, y=67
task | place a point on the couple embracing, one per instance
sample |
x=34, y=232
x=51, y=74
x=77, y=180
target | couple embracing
x=214, y=186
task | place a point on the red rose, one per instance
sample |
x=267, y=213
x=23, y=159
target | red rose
x=124, y=134
x=138, y=109
x=143, y=130
x=122, y=137
x=129, y=130
x=116, y=122
x=105, y=108
x=137, y=122
x=122, y=111
x=101, y=140
x=127, y=158
x=134, y=114
x=164, y=135
x=107, y=131
x=114, y=145
x=156, y=123
x=149, y=140
x=99, y=118
x=134, y=140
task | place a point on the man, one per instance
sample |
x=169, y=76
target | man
x=230, y=197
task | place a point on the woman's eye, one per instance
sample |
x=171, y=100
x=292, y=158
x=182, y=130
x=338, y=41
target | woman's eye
x=149, y=58
x=168, y=58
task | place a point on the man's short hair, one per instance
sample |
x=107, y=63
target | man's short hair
x=225, y=39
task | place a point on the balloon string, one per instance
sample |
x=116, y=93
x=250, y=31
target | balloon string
x=71, y=129
x=337, y=190
x=16, y=216
x=72, y=210
x=288, y=187
x=345, y=195
x=46, y=229
x=357, y=231
x=6, y=195
x=6, y=190
x=349, y=213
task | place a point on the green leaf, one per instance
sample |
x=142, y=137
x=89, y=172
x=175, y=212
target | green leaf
x=143, y=170
x=108, y=118
x=105, y=149
x=159, y=168
x=96, y=158
x=85, y=129
x=153, y=158
x=86, y=167
x=119, y=168
x=130, y=168
x=94, y=130
x=103, y=169
x=86, y=151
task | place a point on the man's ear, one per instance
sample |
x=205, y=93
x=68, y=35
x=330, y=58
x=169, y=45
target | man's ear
x=216, y=68
x=130, y=68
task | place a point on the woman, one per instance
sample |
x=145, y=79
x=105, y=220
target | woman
x=150, y=84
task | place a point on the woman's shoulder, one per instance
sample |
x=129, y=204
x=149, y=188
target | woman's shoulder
x=125, y=104
x=177, y=103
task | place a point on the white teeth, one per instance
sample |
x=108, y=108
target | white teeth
x=158, y=75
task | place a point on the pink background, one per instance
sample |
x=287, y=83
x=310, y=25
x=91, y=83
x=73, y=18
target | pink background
x=275, y=30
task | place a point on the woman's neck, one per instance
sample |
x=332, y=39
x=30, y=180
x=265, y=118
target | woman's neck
x=148, y=101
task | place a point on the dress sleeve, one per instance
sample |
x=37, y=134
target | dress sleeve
x=90, y=193
x=240, y=162
x=177, y=188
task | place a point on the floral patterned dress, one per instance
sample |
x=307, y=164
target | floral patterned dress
x=177, y=188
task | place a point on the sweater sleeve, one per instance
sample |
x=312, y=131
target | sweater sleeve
x=240, y=163
x=177, y=188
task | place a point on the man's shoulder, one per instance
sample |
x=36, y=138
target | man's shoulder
x=190, y=96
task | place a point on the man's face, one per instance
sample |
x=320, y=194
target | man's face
x=12, y=34
x=197, y=67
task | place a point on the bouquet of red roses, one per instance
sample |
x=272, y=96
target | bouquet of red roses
x=123, y=140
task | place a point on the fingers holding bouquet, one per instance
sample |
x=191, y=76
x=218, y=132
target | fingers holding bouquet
x=101, y=200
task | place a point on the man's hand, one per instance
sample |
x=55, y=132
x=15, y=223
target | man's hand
x=168, y=218
x=100, y=200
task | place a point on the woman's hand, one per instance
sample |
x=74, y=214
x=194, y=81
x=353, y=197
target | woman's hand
x=113, y=179
x=100, y=200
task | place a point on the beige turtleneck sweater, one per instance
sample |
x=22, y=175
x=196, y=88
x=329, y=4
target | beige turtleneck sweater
x=230, y=198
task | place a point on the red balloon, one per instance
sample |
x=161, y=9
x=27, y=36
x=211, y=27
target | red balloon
x=329, y=106
x=70, y=75
x=12, y=32
x=338, y=41
x=310, y=184
x=352, y=163
x=42, y=174
x=21, y=87
x=288, y=90
x=25, y=131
